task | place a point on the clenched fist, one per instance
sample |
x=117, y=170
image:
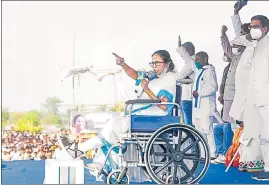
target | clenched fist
x=224, y=29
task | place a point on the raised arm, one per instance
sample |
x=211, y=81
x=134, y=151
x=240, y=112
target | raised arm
x=185, y=72
x=128, y=70
x=227, y=48
x=211, y=85
x=237, y=23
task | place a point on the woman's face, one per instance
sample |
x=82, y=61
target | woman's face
x=157, y=64
x=80, y=121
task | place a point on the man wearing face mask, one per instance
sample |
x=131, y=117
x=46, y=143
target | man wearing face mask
x=234, y=52
x=204, y=98
x=204, y=94
x=223, y=133
x=256, y=114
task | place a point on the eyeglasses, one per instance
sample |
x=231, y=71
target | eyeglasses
x=256, y=26
x=155, y=63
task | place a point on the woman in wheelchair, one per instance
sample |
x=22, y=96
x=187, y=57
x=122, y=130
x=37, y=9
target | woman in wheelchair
x=159, y=84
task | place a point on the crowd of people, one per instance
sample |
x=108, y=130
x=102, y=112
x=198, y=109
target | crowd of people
x=27, y=146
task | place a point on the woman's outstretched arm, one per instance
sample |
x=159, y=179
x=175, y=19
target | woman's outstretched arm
x=128, y=70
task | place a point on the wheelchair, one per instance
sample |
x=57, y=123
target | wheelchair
x=169, y=151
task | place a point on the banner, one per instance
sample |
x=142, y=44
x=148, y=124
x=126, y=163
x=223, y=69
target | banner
x=90, y=122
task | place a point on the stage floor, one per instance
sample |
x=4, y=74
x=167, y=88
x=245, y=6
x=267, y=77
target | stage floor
x=33, y=172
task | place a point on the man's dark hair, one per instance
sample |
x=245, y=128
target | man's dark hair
x=189, y=47
x=245, y=28
x=43, y=157
x=203, y=56
x=263, y=19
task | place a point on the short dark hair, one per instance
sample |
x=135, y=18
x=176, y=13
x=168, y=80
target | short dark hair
x=189, y=47
x=203, y=56
x=245, y=28
x=263, y=19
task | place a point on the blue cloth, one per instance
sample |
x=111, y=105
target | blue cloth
x=150, y=75
x=187, y=111
x=170, y=97
x=33, y=172
x=261, y=176
x=223, y=135
x=197, y=87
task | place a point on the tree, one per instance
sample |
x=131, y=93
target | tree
x=15, y=117
x=33, y=116
x=50, y=118
x=29, y=121
x=117, y=108
x=5, y=117
x=51, y=104
x=5, y=114
x=51, y=115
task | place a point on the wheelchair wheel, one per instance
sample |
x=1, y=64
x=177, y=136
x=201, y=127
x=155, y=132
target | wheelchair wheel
x=169, y=180
x=187, y=155
x=165, y=175
x=113, y=176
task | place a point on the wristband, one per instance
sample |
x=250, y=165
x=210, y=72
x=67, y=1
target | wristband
x=149, y=92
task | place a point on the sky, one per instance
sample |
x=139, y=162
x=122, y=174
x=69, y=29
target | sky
x=38, y=42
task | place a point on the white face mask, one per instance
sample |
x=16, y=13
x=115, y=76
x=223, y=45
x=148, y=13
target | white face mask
x=225, y=59
x=164, y=72
x=235, y=51
x=255, y=33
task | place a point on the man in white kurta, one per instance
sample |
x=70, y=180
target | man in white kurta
x=256, y=114
x=204, y=101
x=223, y=133
x=242, y=72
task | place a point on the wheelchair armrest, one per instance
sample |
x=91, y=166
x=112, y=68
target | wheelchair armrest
x=184, y=81
x=141, y=101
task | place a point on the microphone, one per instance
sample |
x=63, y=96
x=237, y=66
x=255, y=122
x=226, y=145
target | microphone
x=139, y=90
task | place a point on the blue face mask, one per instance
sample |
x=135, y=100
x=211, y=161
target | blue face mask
x=198, y=65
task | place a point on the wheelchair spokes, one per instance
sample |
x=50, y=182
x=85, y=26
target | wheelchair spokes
x=183, y=157
x=175, y=153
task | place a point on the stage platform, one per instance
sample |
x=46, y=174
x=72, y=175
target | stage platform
x=33, y=172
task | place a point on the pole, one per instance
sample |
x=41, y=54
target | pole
x=73, y=80
x=74, y=58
